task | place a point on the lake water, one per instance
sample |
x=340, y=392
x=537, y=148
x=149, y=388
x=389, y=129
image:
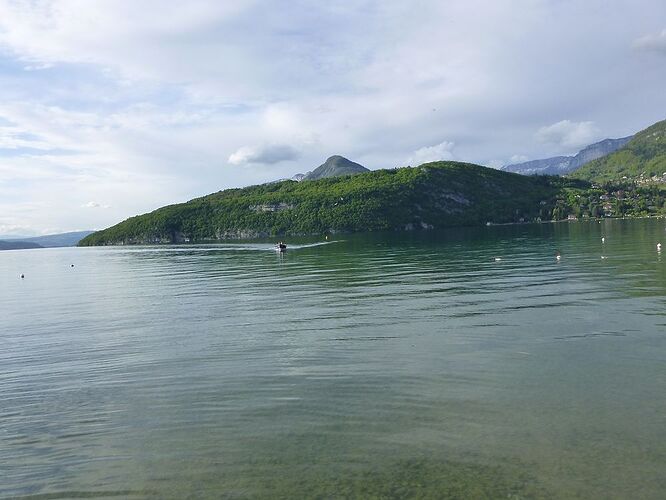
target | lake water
x=373, y=366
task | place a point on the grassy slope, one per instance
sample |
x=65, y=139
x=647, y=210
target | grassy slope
x=436, y=194
x=645, y=154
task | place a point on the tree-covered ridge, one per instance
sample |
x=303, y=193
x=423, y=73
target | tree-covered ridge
x=433, y=195
x=641, y=160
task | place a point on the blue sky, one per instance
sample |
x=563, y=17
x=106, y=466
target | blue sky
x=110, y=108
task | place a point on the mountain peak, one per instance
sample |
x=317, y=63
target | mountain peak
x=335, y=166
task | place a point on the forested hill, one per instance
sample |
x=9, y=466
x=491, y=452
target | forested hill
x=433, y=195
x=642, y=160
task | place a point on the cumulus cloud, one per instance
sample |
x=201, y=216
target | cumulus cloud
x=568, y=134
x=267, y=154
x=655, y=42
x=438, y=152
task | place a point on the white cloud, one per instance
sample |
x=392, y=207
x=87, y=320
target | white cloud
x=268, y=154
x=116, y=34
x=94, y=204
x=12, y=137
x=438, y=152
x=37, y=67
x=518, y=159
x=496, y=164
x=655, y=42
x=13, y=230
x=569, y=135
x=105, y=100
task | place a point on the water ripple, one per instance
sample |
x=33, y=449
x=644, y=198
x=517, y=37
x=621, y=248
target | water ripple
x=195, y=370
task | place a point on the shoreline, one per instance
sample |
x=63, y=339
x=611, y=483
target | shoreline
x=265, y=238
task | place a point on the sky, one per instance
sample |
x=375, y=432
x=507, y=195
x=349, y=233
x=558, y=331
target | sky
x=112, y=108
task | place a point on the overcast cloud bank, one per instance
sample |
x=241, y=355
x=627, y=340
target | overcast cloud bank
x=109, y=101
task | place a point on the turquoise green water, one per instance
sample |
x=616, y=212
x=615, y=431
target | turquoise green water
x=373, y=366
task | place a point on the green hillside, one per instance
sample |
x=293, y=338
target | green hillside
x=433, y=195
x=643, y=160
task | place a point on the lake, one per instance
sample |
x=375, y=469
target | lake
x=367, y=366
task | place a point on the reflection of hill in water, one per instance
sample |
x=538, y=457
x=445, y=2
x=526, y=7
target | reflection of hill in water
x=469, y=253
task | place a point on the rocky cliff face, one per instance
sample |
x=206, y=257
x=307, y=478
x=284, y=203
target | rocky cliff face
x=562, y=165
x=598, y=150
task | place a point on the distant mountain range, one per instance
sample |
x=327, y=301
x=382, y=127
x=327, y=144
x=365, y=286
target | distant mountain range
x=48, y=241
x=17, y=245
x=562, y=165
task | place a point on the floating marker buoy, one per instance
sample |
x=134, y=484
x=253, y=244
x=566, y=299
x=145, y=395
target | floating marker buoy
x=71, y=265
x=603, y=240
x=22, y=276
x=658, y=247
x=497, y=259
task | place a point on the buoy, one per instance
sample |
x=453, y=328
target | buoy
x=71, y=265
x=497, y=259
x=658, y=247
x=603, y=240
x=603, y=257
x=22, y=276
x=558, y=256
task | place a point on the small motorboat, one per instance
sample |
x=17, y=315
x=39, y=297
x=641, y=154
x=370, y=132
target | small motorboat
x=280, y=247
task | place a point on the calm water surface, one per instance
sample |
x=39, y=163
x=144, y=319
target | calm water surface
x=376, y=366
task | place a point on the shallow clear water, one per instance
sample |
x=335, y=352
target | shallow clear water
x=385, y=366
